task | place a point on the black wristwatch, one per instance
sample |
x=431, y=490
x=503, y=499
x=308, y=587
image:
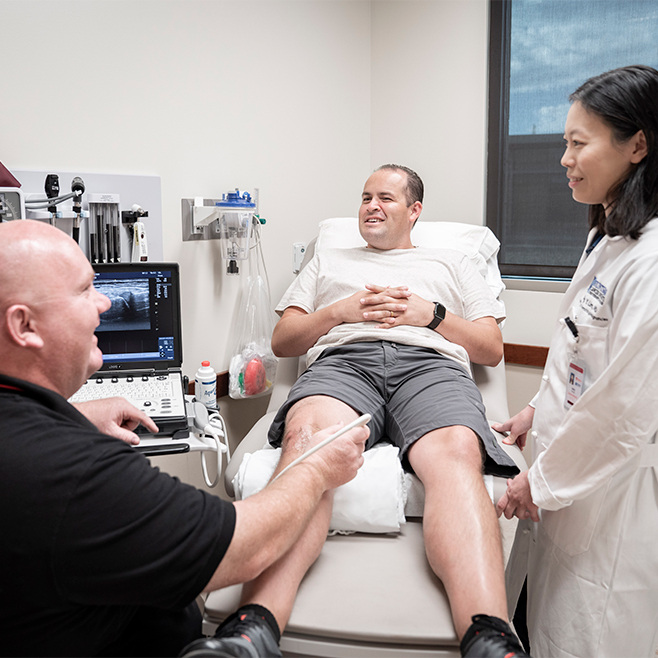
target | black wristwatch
x=439, y=315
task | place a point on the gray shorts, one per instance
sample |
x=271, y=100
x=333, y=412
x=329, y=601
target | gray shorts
x=409, y=391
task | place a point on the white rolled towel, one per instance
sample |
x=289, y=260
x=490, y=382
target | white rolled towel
x=372, y=502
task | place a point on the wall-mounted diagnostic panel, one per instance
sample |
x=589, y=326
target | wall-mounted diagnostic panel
x=109, y=215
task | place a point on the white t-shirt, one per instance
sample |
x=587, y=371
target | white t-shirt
x=437, y=275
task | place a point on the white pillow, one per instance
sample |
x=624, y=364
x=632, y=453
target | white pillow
x=477, y=242
x=371, y=502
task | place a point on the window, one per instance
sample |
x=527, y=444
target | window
x=540, y=51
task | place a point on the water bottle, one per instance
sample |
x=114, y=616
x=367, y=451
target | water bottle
x=205, y=385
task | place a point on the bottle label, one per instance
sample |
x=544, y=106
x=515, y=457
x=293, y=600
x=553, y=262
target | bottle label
x=206, y=392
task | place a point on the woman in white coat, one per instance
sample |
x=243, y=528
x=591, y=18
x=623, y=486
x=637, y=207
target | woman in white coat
x=593, y=487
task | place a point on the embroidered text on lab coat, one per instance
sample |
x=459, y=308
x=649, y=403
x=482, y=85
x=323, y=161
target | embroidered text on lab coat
x=594, y=299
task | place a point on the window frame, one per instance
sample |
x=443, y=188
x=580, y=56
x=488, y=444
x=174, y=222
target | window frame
x=498, y=140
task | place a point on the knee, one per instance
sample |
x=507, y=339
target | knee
x=303, y=420
x=316, y=412
x=457, y=446
x=303, y=408
x=297, y=437
x=303, y=414
x=464, y=445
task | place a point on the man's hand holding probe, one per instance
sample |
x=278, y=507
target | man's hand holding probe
x=271, y=521
x=335, y=472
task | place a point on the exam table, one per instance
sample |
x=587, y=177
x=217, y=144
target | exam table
x=374, y=595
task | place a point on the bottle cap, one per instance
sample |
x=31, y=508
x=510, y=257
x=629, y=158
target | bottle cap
x=205, y=364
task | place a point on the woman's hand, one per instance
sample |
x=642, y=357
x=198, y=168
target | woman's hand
x=517, y=500
x=518, y=427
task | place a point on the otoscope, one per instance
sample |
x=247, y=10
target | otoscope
x=78, y=188
x=51, y=187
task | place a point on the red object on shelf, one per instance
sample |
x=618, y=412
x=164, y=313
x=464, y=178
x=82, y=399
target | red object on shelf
x=254, y=377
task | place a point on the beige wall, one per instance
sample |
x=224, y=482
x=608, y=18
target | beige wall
x=531, y=318
x=208, y=95
x=299, y=98
x=429, y=110
x=429, y=99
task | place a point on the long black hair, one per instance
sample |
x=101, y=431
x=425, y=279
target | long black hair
x=626, y=99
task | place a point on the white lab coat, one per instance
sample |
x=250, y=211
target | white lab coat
x=593, y=558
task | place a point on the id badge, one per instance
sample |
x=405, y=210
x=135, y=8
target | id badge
x=575, y=381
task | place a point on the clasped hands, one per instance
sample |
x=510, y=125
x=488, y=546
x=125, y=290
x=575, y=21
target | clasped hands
x=392, y=306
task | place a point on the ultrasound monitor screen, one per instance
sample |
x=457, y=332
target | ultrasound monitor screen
x=142, y=327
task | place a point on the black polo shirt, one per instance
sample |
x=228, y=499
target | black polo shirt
x=90, y=531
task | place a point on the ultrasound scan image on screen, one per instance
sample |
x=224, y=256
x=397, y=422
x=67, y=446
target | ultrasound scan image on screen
x=142, y=327
x=130, y=305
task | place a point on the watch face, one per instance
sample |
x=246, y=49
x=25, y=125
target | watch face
x=439, y=315
x=10, y=205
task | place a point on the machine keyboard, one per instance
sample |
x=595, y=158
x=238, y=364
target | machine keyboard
x=155, y=394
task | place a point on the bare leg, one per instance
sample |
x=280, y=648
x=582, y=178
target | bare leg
x=276, y=588
x=462, y=538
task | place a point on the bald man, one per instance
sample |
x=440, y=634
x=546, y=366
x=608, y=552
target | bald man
x=103, y=554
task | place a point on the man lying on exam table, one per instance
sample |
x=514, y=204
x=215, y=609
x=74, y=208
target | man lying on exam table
x=102, y=554
x=378, y=342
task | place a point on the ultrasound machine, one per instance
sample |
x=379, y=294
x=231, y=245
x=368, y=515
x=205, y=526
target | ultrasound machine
x=140, y=337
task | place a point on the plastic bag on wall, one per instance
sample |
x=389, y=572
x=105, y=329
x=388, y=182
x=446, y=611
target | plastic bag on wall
x=253, y=364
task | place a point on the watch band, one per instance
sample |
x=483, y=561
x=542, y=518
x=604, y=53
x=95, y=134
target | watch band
x=439, y=315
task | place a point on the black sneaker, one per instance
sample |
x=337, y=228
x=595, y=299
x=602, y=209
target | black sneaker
x=244, y=634
x=490, y=637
